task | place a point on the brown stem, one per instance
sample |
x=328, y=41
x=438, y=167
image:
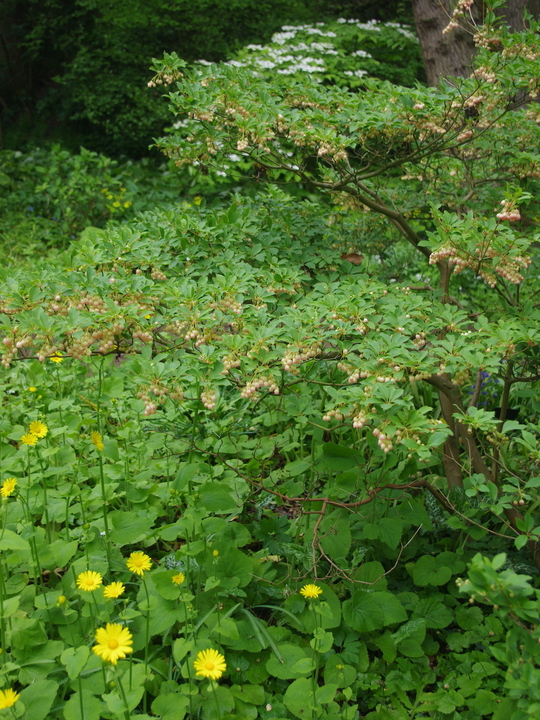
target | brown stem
x=504, y=409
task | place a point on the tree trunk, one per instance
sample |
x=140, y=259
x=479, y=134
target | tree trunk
x=451, y=55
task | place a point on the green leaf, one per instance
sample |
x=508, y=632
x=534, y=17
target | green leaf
x=129, y=527
x=75, y=659
x=11, y=541
x=362, y=612
x=426, y=571
x=170, y=706
x=291, y=655
x=390, y=531
x=367, y=611
x=335, y=535
x=91, y=707
x=216, y=498
x=299, y=698
x=38, y=699
x=219, y=701
x=337, y=457
x=387, y=645
x=253, y=694
x=181, y=648
x=435, y=614
x=9, y=606
x=322, y=640
x=232, y=567
x=337, y=672
x=63, y=551
x=372, y=573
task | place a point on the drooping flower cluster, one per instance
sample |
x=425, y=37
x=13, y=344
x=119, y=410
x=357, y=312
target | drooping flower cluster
x=461, y=8
x=249, y=391
x=208, y=398
x=509, y=212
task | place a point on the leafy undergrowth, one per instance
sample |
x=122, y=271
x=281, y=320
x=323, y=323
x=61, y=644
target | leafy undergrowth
x=202, y=451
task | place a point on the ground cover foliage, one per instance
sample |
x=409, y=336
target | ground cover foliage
x=278, y=457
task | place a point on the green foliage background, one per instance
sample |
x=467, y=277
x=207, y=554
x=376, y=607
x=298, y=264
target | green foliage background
x=305, y=350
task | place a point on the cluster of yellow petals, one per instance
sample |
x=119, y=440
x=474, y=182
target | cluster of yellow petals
x=97, y=440
x=38, y=428
x=8, y=487
x=138, y=563
x=89, y=580
x=210, y=664
x=310, y=591
x=113, y=590
x=8, y=698
x=113, y=642
x=36, y=431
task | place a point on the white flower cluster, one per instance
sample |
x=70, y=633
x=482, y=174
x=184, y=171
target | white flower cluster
x=384, y=441
x=509, y=212
x=462, y=7
x=208, y=398
x=292, y=358
x=250, y=390
x=304, y=55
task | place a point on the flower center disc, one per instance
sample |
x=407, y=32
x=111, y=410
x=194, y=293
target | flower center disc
x=113, y=644
x=209, y=665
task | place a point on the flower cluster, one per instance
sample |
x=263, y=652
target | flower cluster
x=208, y=398
x=8, y=698
x=89, y=581
x=509, y=212
x=138, y=563
x=157, y=394
x=113, y=643
x=8, y=487
x=36, y=431
x=97, y=440
x=249, y=391
x=461, y=8
x=292, y=358
x=310, y=591
x=384, y=441
x=210, y=664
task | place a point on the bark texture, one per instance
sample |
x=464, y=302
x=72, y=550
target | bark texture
x=451, y=55
x=447, y=55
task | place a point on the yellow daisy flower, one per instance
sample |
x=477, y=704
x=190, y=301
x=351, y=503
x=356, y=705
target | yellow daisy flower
x=210, y=664
x=57, y=357
x=113, y=642
x=113, y=590
x=8, y=698
x=138, y=562
x=32, y=389
x=29, y=439
x=215, y=553
x=97, y=440
x=38, y=428
x=178, y=579
x=311, y=591
x=8, y=487
x=89, y=580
